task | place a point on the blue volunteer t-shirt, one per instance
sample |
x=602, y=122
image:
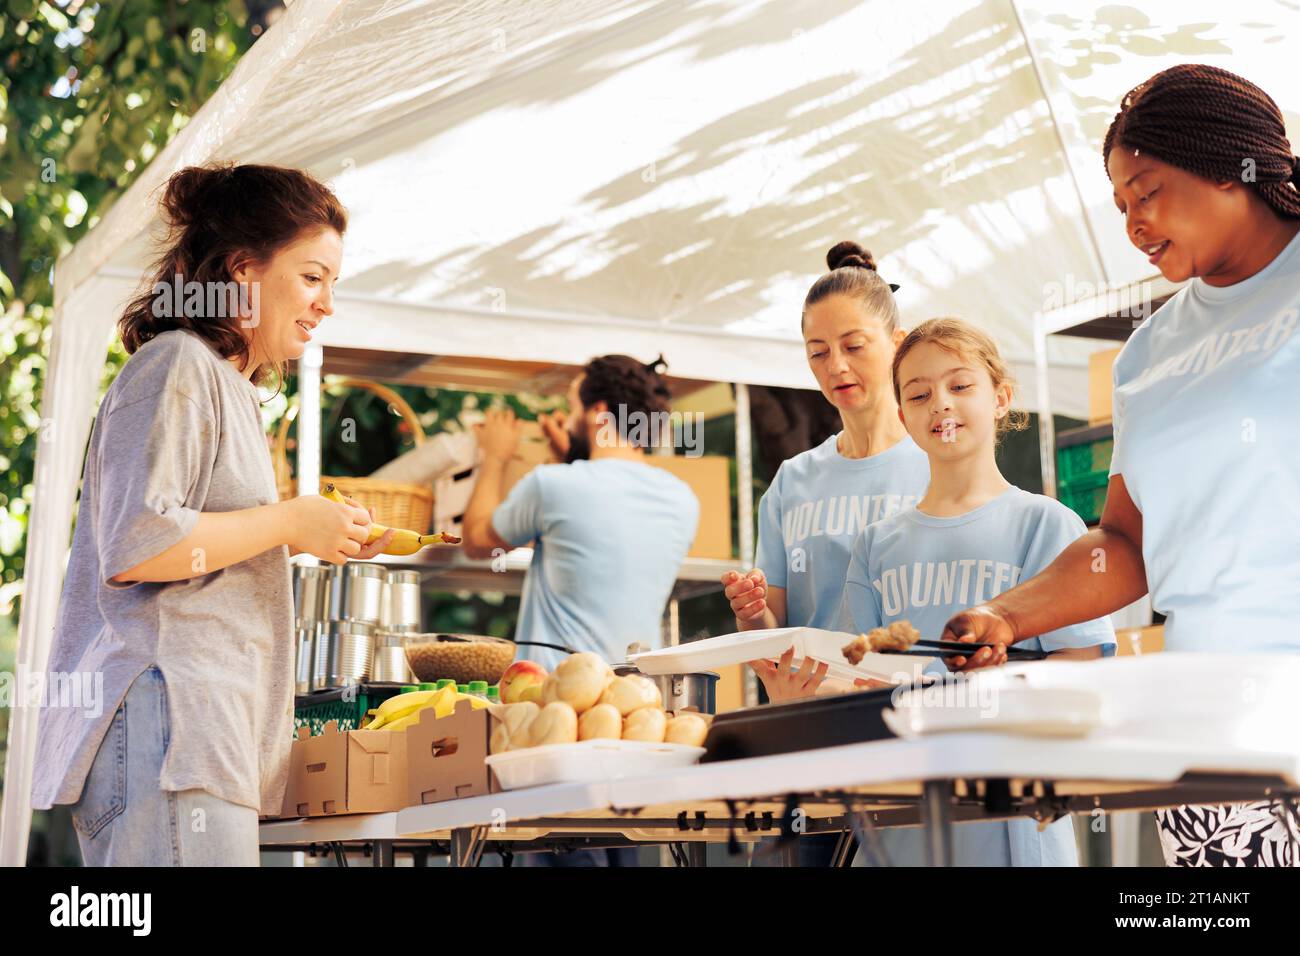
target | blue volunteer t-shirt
x=816, y=506
x=924, y=569
x=612, y=535
x=1207, y=443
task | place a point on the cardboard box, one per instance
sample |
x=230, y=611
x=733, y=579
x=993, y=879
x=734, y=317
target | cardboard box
x=361, y=771
x=445, y=756
x=1131, y=641
x=710, y=478
x=730, y=690
x=376, y=771
x=451, y=492
x=533, y=450
x=318, y=776
x=1100, y=385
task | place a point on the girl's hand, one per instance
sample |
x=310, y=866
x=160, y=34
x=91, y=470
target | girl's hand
x=781, y=683
x=326, y=529
x=747, y=593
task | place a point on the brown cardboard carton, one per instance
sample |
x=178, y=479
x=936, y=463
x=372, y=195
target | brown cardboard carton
x=1131, y=641
x=1100, y=384
x=445, y=756
x=361, y=771
x=710, y=478
x=708, y=475
x=730, y=689
x=376, y=771
x=533, y=450
x=318, y=777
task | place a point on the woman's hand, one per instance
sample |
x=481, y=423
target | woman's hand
x=377, y=546
x=781, y=683
x=554, y=427
x=983, y=624
x=747, y=594
x=332, y=532
x=498, y=435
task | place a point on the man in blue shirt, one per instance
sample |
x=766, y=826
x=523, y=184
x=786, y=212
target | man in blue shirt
x=611, y=531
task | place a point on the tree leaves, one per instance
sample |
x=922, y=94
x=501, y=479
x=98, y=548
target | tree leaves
x=65, y=158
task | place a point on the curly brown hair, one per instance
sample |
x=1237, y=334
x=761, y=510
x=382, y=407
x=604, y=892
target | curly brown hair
x=1213, y=124
x=219, y=217
x=621, y=381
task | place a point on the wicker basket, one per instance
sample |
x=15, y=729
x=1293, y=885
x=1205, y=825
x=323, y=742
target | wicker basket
x=395, y=504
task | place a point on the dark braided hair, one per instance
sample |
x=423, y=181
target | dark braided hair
x=620, y=380
x=853, y=273
x=1208, y=122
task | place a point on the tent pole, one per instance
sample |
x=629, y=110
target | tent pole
x=1046, y=426
x=744, y=476
x=745, y=512
x=309, y=433
x=72, y=379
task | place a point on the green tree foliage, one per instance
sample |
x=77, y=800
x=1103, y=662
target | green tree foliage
x=92, y=91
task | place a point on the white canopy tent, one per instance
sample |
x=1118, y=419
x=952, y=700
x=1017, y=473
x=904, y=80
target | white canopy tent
x=547, y=181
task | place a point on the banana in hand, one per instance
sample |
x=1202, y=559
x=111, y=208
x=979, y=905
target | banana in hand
x=404, y=542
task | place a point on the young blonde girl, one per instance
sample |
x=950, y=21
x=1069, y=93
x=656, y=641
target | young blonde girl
x=971, y=536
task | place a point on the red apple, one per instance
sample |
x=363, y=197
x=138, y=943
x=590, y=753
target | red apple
x=522, y=681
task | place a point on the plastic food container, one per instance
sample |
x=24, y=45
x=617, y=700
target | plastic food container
x=713, y=653
x=973, y=706
x=588, y=761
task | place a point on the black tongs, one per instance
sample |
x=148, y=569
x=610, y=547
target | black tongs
x=962, y=649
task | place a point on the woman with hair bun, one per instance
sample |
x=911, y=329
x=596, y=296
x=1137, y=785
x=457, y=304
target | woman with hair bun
x=821, y=499
x=1204, y=496
x=177, y=594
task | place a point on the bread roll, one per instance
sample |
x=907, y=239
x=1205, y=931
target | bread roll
x=646, y=723
x=579, y=680
x=601, y=722
x=556, y=724
x=549, y=688
x=512, y=726
x=632, y=692
x=688, y=729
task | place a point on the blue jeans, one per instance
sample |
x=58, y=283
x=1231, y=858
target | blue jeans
x=125, y=819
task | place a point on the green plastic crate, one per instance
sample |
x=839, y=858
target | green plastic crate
x=348, y=713
x=1076, y=462
x=1085, y=496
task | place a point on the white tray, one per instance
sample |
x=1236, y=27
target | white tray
x=769, y=644
x=588, y=761
x=979, y=707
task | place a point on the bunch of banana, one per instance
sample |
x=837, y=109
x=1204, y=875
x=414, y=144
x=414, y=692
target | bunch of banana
x=404, y=542
x=401, y=711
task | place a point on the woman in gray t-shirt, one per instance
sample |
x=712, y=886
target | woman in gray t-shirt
x=177, y=600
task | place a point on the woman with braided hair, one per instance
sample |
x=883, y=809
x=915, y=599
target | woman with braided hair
x=1204, y=496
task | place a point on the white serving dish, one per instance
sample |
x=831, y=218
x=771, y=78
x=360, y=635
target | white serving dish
x=588, y=761
x=969, y=706
x=769, y=644
x=1242, y=701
